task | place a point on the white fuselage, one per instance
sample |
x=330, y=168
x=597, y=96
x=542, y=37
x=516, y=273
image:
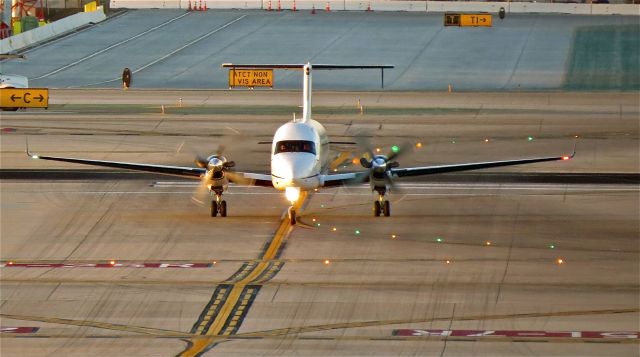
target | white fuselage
x=299, y=155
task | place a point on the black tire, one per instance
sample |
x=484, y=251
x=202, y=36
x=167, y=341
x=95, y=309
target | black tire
x=376, y=208
x=292, y=217
x=214, y=208
x=386, y=209
x=223, y=209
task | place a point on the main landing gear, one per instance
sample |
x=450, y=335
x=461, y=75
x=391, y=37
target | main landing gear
x=218, y=206
x=381, y=206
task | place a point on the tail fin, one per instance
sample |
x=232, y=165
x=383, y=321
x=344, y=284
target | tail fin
x=307, y=69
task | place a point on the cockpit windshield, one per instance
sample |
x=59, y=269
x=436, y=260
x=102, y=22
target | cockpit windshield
x=295, y=146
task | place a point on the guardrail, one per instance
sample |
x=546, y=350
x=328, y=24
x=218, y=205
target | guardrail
x=56, y=28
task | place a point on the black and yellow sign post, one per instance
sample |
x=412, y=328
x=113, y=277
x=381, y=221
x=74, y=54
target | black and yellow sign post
x=464, y=20
x=24, y=98
x=250, y=78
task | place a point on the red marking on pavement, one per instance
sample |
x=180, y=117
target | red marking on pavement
x=4, y=329
x=515, y=333
x=107, y=265
x=8, y=130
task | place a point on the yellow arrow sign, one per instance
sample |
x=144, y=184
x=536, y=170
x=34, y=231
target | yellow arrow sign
x=475, y=20
x=250, y=78
x=24, y=97
x=452, y=19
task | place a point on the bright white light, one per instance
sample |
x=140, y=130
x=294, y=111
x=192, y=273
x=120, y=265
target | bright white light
x=35, y=156
x=292, y=193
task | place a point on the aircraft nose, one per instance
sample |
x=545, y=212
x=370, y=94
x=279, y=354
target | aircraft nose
x=293, y=166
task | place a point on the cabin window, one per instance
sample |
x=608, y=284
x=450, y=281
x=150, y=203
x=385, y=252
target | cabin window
x=295, y=146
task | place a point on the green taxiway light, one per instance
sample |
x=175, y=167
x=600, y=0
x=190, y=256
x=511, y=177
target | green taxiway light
x=357, y=231
x=395, y=149
x=439, y=240
x=530, y=138
x=552, y=246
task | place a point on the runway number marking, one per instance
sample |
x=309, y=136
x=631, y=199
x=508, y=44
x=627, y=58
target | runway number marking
x=23, y=329
x=515, y=333
x=24, y=98
x=250, y=78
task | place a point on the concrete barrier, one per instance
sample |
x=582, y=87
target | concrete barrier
x=69, y=23
x=392, y=5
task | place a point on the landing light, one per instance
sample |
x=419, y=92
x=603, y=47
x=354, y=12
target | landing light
x=393, y=236
x=419, y=145
x=326, y=262
x=560, y=261
x=34, y=156
x=378, y=150
x=566, y=157
x=487, y=243
x=292, y=193
x=112, y=262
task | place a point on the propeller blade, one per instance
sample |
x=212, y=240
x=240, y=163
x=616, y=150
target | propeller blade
x=365, y=163
x=201, y=194
x=237, y=178
x=220, y=149
x=201, y=161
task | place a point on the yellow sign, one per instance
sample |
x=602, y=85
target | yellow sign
x=90, y=7
x=467, y=19
x=24, y=98
x=475, y=20
x=250, y=78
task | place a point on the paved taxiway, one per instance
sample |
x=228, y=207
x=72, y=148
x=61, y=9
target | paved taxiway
x=251, y=285
x=178, y=49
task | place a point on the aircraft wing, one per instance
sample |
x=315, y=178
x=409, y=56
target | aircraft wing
x=429, y=170
x=245, y=178
x=194, y=172
x=345, y=178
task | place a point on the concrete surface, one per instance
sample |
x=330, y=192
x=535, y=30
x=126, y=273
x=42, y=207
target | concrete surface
x=174, y=49
x=372, y=282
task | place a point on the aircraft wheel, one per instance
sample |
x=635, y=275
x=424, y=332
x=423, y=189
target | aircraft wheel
x=292, y=216
x=223, y=209
x=214, y=208
x=376, y=208
x=386, y=209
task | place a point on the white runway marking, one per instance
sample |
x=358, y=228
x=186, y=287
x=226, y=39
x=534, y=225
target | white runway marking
x=111, y=47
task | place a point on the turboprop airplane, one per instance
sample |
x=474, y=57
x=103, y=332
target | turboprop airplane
x=299, y=159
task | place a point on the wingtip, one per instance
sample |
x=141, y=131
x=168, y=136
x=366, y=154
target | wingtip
x=29, y=153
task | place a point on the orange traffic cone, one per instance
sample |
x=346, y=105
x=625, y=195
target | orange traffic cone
x=313, y=9
x=200, y=6
x=205, y=6
x=189, y=8
x=328, y=7
x=369, y=7
x=269, y=7
x=279, y=8
x=294, y=6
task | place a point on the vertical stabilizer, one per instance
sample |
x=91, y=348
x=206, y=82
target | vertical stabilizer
x=306, y=93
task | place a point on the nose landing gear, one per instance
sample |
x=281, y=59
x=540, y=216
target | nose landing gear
x=292, y=215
